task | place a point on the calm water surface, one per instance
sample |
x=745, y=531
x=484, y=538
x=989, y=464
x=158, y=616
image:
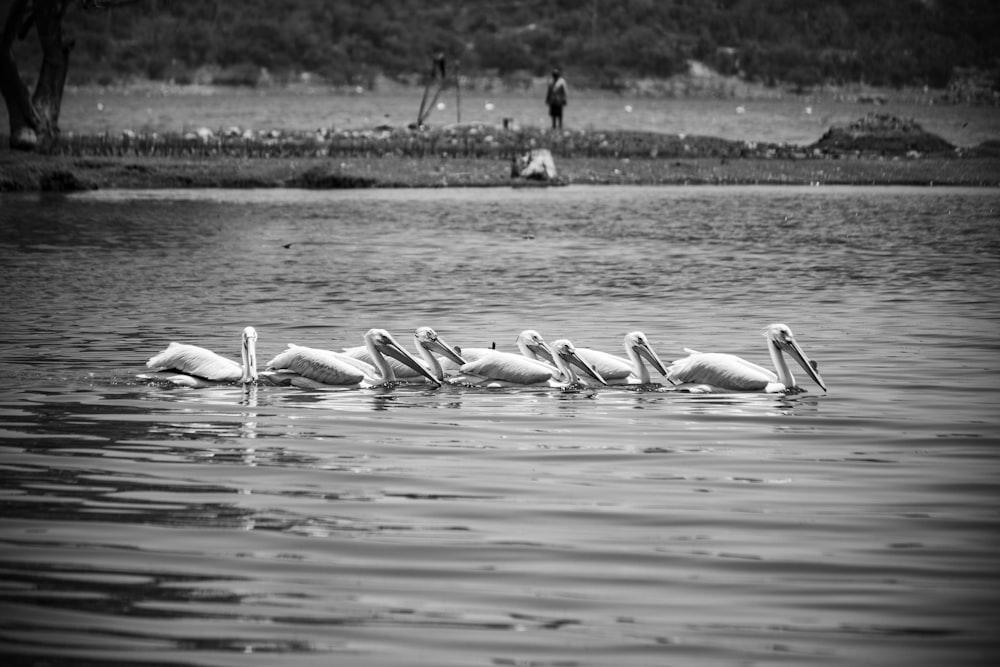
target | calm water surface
x=457, y=526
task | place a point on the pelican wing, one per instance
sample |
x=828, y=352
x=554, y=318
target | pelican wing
x=725, y=371
x=610, y=367
x=357, y=357
x=507, y=367
x=196, y=361
x=317, y=365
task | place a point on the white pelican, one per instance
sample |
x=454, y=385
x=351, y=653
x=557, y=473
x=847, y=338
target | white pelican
x=313, y=368
x=619, y=370
x=529, y=342
x=715, y=372
x=198, y=367
x=427, y=343
x=505, y=369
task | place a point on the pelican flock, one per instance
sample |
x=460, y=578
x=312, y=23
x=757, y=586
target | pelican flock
x=631, y=370
x=382, y=361
x=493, y=368
x=313, y=368
x=427, y=342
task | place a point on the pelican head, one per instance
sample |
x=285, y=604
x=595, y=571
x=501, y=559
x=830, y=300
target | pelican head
x=428, y=339
x=565, y=354
x=249, y=354
x=382, y=342
x=780, y=338
x=531, y=344
x=637, y=342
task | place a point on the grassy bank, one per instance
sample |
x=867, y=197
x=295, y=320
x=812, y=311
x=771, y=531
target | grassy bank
x=891, y=153
x=19, y=172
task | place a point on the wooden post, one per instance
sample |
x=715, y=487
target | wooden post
x=458, y=94
x=423, y=102
x=437, y=67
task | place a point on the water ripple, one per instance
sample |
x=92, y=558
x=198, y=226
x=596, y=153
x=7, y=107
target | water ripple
x=149, y=524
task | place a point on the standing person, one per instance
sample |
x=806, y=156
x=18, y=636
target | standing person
x=555, y=97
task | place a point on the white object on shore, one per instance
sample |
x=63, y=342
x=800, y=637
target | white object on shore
x=536, y=164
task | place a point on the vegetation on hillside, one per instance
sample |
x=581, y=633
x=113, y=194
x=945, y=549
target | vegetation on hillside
x=802, y=42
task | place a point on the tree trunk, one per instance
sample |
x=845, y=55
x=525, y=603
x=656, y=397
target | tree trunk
x=47, y=99
x=24, y=120
x=34, y=120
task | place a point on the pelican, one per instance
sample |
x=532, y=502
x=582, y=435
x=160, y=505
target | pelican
x=718, y=372
x=529, y=342
x=505, y=369
x=313, y=368
x=427, y=342
x=198, y=367
x=619, y=370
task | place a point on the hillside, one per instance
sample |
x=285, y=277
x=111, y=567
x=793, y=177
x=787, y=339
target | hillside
x=801, y=43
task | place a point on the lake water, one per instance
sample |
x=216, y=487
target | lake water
x=458, y=526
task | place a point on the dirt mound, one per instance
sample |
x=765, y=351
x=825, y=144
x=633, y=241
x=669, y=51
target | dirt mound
x=882, y=134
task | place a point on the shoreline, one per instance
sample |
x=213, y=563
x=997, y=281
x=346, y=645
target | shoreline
x=37, y=173
x=875, y=150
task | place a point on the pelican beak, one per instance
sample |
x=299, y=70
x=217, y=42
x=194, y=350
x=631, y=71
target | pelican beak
x=445, y=350
x=249, y=354
x=808, y=365
x=574, y=359
x=394, y=350
x=543, y=350
x=646, y=352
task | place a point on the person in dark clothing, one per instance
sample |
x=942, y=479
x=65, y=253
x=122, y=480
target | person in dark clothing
x=555, y=97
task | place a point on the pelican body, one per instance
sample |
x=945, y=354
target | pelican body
x=707, y=372
x=195, y=366
x=620, y=370
x=529, y=342
x=493, y=368
x=314, y=368
x=566, y=357
x=427, y=342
